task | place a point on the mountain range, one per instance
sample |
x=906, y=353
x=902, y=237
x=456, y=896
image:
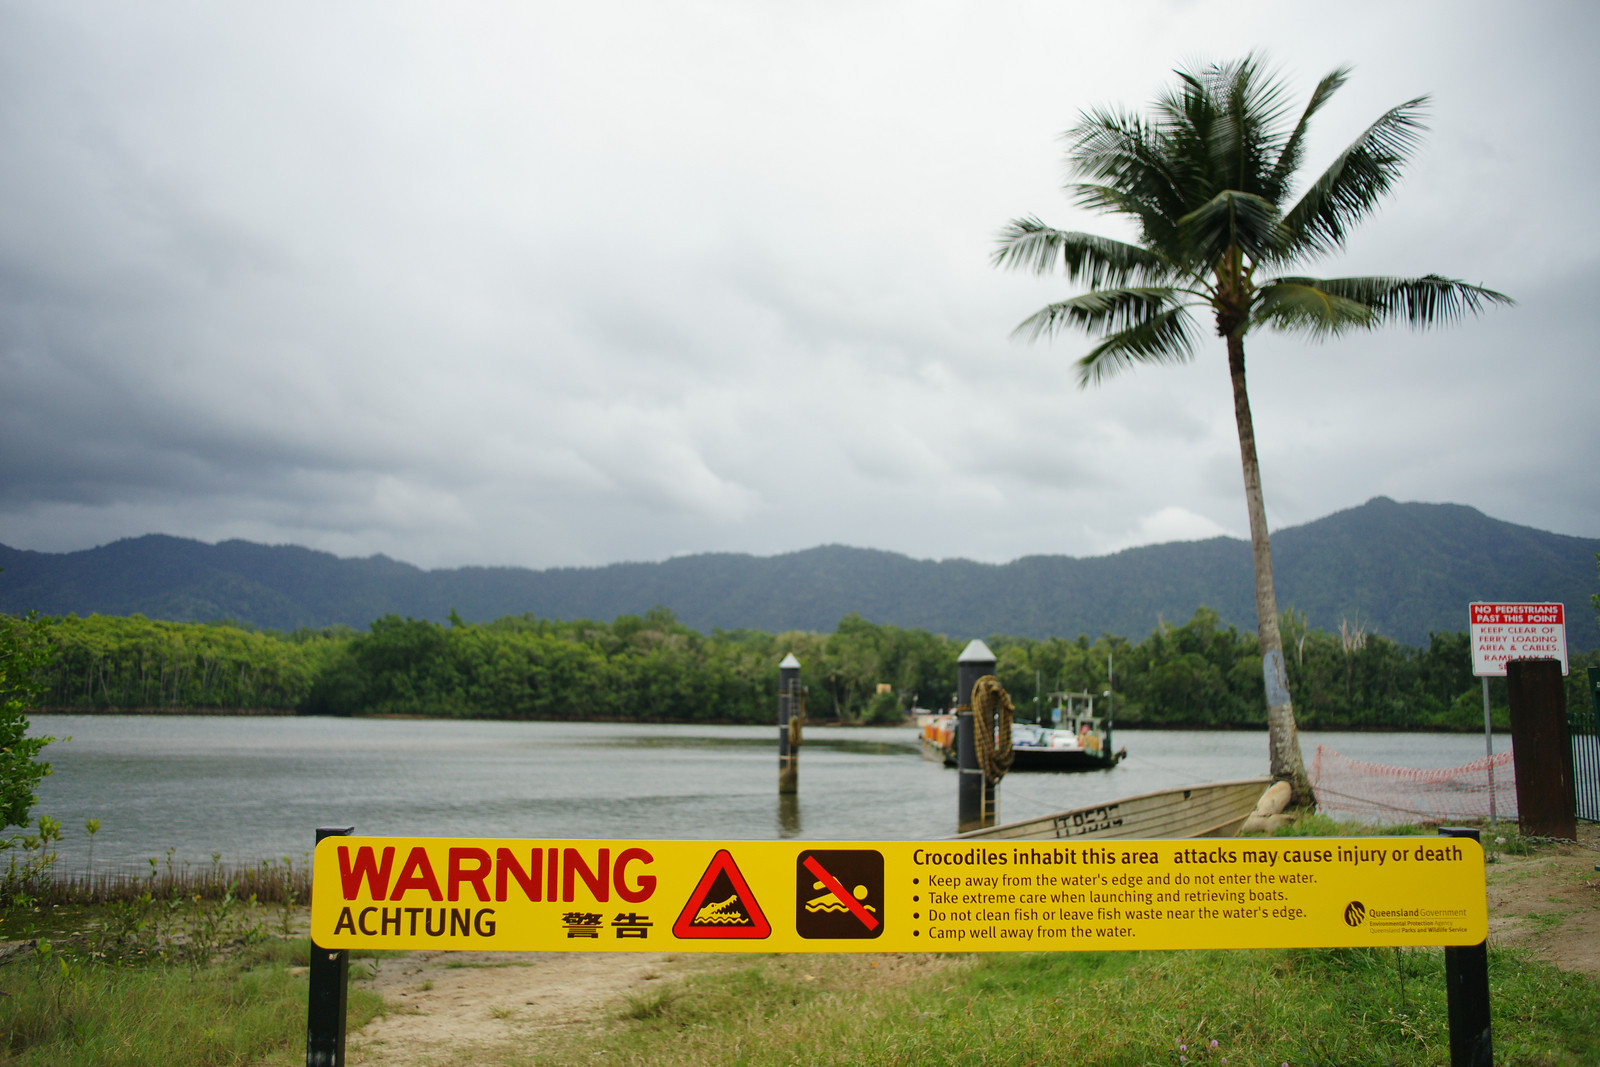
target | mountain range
x=1399, y=569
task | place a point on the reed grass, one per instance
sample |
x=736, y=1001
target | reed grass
x=281, y=881
x=270, y=882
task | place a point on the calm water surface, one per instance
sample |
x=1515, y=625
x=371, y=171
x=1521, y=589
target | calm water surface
x=256, y=788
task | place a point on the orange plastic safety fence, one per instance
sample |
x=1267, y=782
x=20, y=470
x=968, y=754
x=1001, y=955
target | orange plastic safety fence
x=1414, y=794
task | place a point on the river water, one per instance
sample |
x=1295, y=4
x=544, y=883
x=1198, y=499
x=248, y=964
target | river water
x=255, y=788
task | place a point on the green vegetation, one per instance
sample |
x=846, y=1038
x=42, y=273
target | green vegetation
x=181, y=966
x=24, y=656
x=24, y=653
x=64, y=1008
x=653, y=668
x=1594, y=598
x=1202, y=674
x=133, y=662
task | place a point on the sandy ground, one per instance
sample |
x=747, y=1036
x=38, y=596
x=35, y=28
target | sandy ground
x=449, y=1004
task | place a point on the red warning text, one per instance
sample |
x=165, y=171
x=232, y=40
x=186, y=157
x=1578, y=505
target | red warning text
x=535, y=874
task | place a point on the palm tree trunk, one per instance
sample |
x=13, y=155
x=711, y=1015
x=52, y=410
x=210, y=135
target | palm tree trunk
x=1283, y=739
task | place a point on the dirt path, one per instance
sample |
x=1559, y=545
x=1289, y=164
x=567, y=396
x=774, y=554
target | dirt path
x=453, y=1006
x=460, y=1009
x=1549, y=902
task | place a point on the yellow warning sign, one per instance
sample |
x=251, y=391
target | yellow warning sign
x=895, y=896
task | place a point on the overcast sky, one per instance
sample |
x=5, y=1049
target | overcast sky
x=557, y=284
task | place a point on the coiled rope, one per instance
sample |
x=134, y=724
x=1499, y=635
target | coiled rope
x=991, y=723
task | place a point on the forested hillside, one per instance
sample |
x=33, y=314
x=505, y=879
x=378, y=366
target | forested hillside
x=1400, y=570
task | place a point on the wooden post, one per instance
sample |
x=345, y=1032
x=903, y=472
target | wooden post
x=1466, y=991
x=789, y=706
x=788, y=815
x=975, y=808
x=1541, y=748
x=329, y=983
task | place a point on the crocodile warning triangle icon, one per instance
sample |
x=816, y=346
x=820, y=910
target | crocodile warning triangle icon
x=722, y=905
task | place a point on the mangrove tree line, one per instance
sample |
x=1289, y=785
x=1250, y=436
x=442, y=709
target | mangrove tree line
x=653, y=668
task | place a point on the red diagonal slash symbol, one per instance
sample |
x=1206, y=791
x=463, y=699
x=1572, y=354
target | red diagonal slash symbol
x=845, y=896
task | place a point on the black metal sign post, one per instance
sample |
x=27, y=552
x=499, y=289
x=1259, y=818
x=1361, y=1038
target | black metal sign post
x=325, y=1002
x=1466, y=987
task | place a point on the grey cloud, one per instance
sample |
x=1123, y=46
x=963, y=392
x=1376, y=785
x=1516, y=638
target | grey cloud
x=520, y=287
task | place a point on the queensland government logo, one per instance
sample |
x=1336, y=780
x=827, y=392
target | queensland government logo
x=1355, y=913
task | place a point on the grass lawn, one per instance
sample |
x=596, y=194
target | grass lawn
x=1303, y=1007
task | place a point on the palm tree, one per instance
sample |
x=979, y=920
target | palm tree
x=1208, y=179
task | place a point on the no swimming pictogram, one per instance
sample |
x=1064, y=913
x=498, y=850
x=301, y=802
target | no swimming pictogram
x=839, y=893
x=722, y=905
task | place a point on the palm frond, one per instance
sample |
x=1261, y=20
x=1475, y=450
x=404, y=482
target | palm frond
x=1426, y=301
x=1112, y=310
x=1367, y=169
x=1249, y=86
x=1293, y=149
x=1156, y=227
x=1031, y=245
x=1232, y=219
x=1187, y=119
x=1108, y=144
x=1253, y=107
x=1166, y=338
x=1123, y=152
x=1303, y=305
x=1223, y=126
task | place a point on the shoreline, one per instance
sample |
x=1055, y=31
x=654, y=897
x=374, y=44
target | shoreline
x=274, y=713
x=291, y=713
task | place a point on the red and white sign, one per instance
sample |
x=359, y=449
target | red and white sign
x=722, y=905
x=1502, y=632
